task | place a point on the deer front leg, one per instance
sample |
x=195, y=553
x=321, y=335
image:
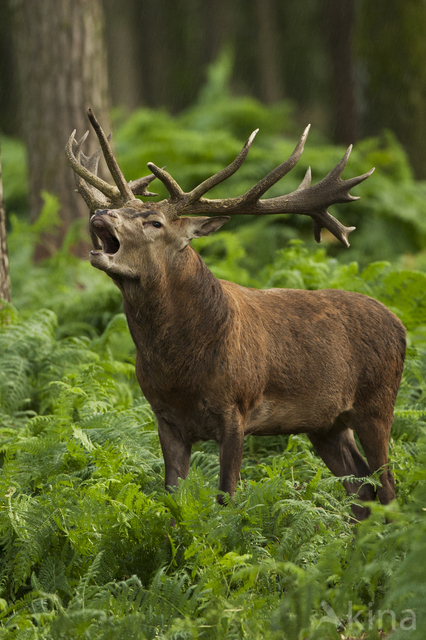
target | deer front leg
x=176, y=454
x=230, y=457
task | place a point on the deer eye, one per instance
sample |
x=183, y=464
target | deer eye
x=157, y=225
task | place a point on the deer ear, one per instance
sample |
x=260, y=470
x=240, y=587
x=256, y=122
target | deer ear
x=202, y=226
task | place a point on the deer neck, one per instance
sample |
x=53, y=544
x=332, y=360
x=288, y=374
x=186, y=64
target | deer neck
x=176, y=307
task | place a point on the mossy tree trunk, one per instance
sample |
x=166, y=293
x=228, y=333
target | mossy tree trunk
x=62, y=67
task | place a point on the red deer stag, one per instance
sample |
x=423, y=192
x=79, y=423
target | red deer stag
x=220, y=361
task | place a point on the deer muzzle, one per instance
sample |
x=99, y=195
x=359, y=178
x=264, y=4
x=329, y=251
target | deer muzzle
x=101, y=225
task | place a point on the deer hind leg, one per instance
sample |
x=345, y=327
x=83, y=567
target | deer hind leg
x=337, y=448
x=373, y=430
x=230, y=454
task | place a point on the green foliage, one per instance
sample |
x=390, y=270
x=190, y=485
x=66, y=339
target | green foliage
x=87, y=545
x=216, y=109
x=82, y=298
x=88, y=549
x=14, y=174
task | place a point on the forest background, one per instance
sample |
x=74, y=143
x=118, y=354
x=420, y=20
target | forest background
x=87, y=549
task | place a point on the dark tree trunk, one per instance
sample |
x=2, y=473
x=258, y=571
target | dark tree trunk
x=62, y=68
x=270, y=81
x=339, y=24
x=155, y=49
x=392, y=45
x=4, y=261
x=172, y=48
x=220, y=27
x=8, y=85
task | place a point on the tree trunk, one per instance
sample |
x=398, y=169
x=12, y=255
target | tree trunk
x=220, y=27
x=392, y=44
x=8, y=85
x=155, y=48
x=268, y=51
x=122, y=33
x=4, y=261
x=339, y=22
x=62, y=68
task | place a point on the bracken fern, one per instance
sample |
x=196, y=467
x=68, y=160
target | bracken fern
x=88, y=550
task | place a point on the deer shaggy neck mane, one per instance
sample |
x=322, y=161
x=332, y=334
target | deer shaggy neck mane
x=173, y=317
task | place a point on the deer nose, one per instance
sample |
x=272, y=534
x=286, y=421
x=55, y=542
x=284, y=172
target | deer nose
x=107, y=212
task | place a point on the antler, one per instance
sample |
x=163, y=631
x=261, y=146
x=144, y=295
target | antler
x=311, y=200
x=90, y=185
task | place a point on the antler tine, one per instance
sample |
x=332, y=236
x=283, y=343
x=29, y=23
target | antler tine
x=341, y=187
x=92, y=162
x=268, y=181
x=176, y=193
x=306, y=180
x=325, y=220
x=112, y=164
x=79, y=144
x=337, y=171
x=222, y=175
x=139, y=187
x=107, y=189
x=88, y=192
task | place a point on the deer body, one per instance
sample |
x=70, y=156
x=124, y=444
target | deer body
x=219, y=361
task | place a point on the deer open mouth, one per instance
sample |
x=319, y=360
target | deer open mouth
x=110, y=243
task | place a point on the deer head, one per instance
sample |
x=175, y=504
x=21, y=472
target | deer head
x=125, y=225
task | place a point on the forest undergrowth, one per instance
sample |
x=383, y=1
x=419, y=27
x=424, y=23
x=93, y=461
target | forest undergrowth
x=88, y=550
x=87, y=546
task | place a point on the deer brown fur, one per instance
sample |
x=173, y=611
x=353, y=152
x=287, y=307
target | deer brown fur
x=219, y=361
